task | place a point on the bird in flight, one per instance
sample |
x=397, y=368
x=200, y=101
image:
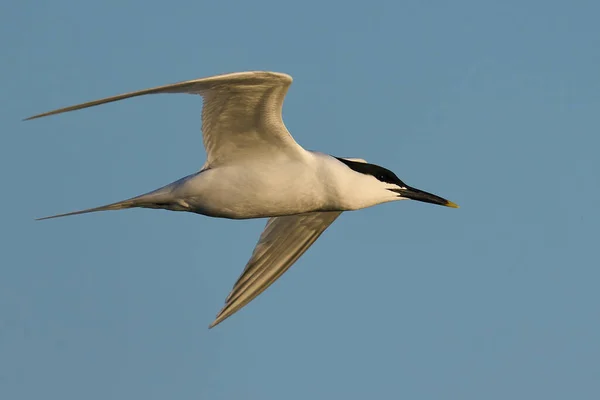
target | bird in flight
x=255, y=169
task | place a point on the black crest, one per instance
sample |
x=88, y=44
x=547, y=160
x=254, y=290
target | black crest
x=382, y=174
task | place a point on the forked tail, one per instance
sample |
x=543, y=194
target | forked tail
x=121, y=205
x=160, y=198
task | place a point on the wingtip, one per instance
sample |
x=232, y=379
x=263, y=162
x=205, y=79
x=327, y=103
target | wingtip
x=220, y=318
x=45, y=218
x=38, y=116
x=54, y=216
x=214, y=323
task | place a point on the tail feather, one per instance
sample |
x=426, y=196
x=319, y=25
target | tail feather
x=121, y=205
x=159, y=198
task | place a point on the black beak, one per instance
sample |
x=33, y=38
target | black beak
x=416, y=194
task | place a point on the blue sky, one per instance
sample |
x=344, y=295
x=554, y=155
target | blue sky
x=491, y=104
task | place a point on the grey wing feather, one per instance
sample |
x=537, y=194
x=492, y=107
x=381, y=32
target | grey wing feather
x=282, y=242
x=241, y=114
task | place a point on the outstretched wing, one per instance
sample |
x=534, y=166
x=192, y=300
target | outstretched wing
x=282, y=242
x=241, y=116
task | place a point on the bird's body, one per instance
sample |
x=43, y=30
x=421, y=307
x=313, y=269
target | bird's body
x=255, y=169
x=269, y=188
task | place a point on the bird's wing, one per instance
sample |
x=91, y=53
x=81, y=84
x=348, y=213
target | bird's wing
x=282, y=242
x=240, y=118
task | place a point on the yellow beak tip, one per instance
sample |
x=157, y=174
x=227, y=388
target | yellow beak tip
x=451, y=204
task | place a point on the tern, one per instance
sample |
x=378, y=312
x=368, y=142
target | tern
x=255, y=169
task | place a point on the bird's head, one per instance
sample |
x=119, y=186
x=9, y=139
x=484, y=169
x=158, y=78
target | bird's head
x=386, y=186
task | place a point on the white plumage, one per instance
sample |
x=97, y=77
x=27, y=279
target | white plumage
x=255, y=169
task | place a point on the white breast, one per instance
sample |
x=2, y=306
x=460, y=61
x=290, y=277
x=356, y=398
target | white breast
x=255, y=189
